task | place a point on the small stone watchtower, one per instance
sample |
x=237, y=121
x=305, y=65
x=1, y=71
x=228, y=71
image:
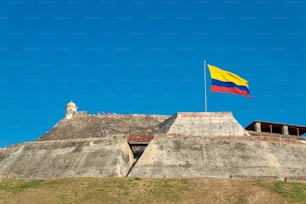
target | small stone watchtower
x=71, y=108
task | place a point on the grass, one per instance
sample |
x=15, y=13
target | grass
x=140, y=190
x=16, y=186
x=295, y=192
x=168, y=189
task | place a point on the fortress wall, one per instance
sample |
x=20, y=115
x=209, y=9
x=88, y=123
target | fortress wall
x=108, y=157
x=203, y=124
x=185, y=145
x=178, y=156
x=83, y=125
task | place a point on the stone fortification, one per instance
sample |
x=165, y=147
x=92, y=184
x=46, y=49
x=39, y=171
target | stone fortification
x=184, y=145
x=83, y=125
x=107, y=157
x=203, y=124
x=179, y=156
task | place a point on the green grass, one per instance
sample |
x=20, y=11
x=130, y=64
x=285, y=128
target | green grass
x=168, y=189
x=163, y=190
x=16, y=186
x=295, y=192
x=142, y=190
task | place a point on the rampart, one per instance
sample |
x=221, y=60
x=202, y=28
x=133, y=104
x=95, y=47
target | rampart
x=184, y=145
x=183, y=156
x=203, y=124
x=103, y=157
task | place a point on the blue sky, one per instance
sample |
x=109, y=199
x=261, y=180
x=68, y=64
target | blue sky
x=147, y=57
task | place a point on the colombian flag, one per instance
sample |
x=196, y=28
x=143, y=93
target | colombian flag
x=224, y=81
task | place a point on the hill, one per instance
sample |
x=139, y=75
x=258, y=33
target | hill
x=138, y=190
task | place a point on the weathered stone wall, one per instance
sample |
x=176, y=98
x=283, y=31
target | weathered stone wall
x=185, y=145
x=179, y=156
x=83, y=125
x=203, y=124
x=107, y=157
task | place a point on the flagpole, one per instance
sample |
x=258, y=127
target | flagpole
x=205, y=96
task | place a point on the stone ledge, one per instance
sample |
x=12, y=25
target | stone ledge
x=203, y=114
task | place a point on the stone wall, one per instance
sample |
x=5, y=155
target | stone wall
x=83, y=125
x=203, y=124
x=108, y=157
x=184, y=145
x=179, y=156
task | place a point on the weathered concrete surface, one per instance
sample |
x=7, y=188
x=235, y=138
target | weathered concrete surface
x=185, y=145
x=203, y=124
x=107, y=157
x=179, y=156
x=83, y=125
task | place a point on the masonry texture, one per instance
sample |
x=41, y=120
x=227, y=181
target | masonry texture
x=184, y=145
x=179, y=156
x=83, y=125
x=203, y=124
x=108, y=157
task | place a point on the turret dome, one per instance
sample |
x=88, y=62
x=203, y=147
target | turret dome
x=71, y=108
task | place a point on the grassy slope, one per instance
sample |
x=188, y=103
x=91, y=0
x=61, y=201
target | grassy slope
x=136, y=190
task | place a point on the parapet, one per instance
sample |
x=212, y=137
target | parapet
x=203, y=124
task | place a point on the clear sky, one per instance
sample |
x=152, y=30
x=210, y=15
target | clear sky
x=139, y=56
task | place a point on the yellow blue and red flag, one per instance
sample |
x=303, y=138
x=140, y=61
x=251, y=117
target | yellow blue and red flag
x=224, y=81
